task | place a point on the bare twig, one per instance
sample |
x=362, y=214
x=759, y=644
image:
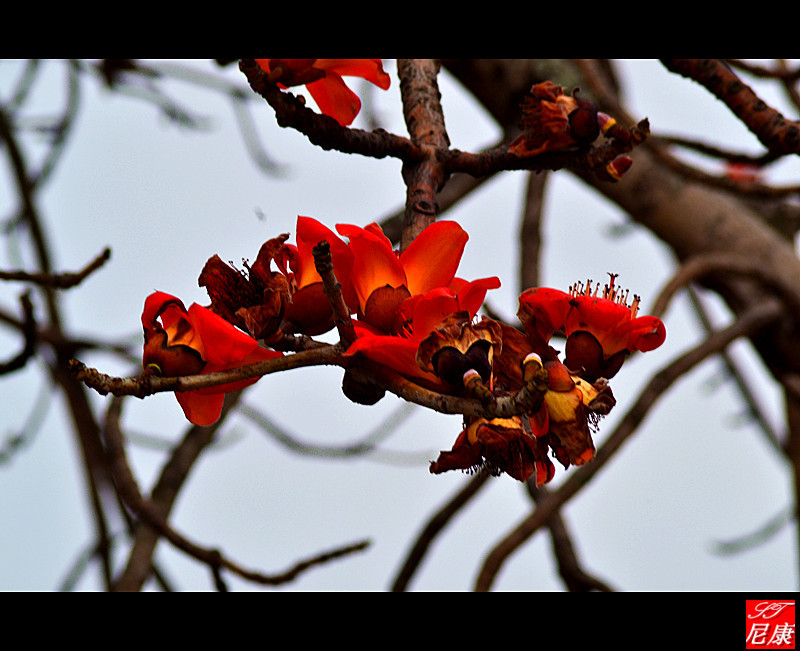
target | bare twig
x=762, y=535
x=528, y=398
x=739, y=379
x=530, y=230
x=63, y=280
x=705, y=264
x=146, y=385
x=574, y=576
x=368, y=444
x=333, y=290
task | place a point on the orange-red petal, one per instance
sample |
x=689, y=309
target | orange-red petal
x=225, y=346
x=369, y=69
x=432, y=258
x=472, y=294
x=429, y=310
x=201, y=409
x=309, y=233
x=543, y=310
x=323, y=80
x=398, y=353
x=335, y=99
x=375, y=264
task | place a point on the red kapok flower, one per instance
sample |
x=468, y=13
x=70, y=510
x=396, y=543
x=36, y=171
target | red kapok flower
x=179, y=342
x=563, y=420
x=601, y=330
x=309, y=311
x=383, y=279
x=519, y=445
x=323, y=79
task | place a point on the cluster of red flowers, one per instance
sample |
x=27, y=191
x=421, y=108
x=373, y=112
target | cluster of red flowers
x=281, y=293
x=412, y=312
x=601, y=331
x=414, y=315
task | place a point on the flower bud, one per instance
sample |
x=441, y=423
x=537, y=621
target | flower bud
x=362, y=393
x=615, y=169
x=583, y=123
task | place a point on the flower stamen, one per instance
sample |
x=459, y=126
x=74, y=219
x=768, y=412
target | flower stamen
x=611, y=292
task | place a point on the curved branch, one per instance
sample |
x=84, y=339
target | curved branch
x=29, y=333
x=63, y=280
x=704, y=264
x=569, y=568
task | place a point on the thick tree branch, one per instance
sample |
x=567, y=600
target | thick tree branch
x=425, y=177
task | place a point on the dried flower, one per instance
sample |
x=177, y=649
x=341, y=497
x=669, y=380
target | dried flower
x=554, y=121
x=254, y=299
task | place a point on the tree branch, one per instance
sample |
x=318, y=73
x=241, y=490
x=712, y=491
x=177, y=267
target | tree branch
x=63, y=280
x=322, y=130
x=426, y=176
x=436, y=524
x=773, y=130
